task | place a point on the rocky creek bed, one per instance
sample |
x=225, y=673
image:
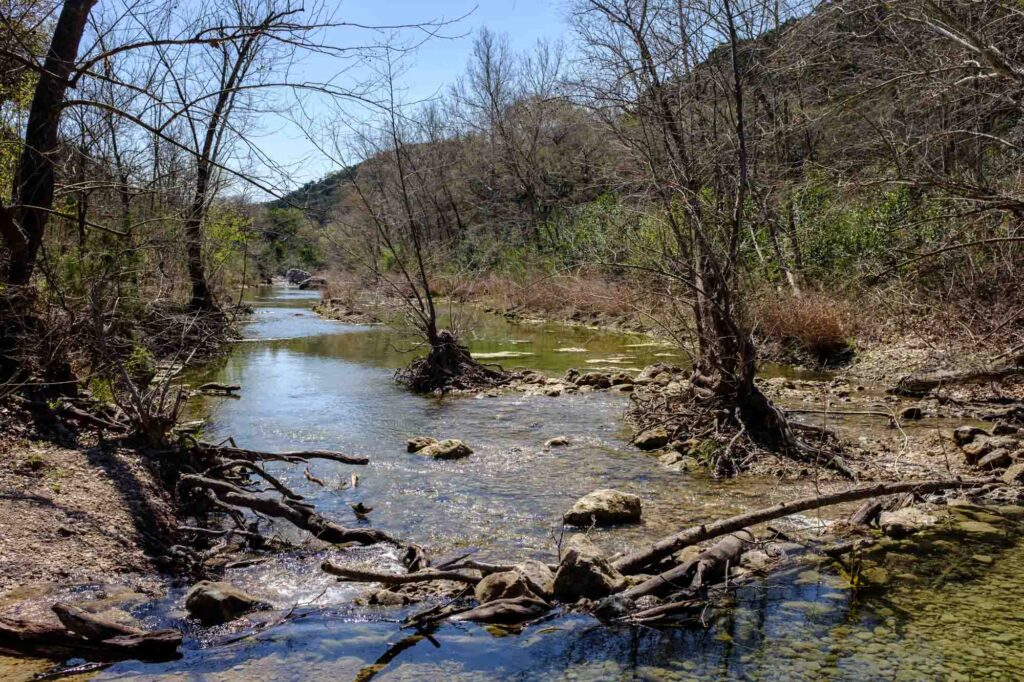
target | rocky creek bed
x=308, y=382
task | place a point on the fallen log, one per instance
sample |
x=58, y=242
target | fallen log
x=425, y=575
x=231, y=452
x=637, y=561
x=706, y=567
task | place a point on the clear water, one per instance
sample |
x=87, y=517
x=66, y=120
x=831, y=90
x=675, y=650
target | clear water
x=313, y=383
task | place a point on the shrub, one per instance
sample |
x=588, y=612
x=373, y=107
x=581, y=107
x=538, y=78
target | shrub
x=810, y=325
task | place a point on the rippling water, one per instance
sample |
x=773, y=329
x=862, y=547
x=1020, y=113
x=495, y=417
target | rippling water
x=312, y=383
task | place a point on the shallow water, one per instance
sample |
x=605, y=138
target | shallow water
x=312, y=383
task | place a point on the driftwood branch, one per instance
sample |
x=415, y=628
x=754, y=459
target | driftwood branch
x=231, y=452
x=426, y=575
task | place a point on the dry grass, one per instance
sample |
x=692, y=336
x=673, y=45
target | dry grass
x=807, y=325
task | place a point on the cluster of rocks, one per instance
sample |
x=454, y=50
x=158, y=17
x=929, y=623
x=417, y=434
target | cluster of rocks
x=998, y=449
x=449, y=448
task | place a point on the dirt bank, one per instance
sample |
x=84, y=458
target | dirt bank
x=80, y=515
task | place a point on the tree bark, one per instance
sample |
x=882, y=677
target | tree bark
x=23, y=227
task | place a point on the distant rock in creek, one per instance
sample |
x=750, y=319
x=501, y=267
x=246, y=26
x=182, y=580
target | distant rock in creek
x=450, y=448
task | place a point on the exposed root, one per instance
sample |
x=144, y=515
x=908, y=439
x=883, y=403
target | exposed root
x=450, y=367
x=733, y=437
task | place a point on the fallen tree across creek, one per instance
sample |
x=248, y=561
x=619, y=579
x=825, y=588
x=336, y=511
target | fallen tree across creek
x=692, y=580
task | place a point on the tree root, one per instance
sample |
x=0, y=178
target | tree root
x=450, y=367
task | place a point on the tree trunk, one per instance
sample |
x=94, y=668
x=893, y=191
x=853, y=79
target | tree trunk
x=34, y=179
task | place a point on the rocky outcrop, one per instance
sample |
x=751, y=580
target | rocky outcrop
x=449, y=448
x=605, y=507
x=213, y=603
x=584, y=573
x=296, y=276
x=313, y=283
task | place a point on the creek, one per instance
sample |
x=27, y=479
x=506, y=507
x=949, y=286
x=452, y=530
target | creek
x=311, y=383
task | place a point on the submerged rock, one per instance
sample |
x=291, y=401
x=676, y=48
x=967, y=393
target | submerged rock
x=417, y=443
x=449, y=448
x=652, y=439
x=605, y=507
x=214, y=603
x=584, y=573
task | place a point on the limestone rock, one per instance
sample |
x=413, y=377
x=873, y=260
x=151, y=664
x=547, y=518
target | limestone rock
x=214, y=603
x=539, y=577
x=449, y=448
x=417, y=443
x=584, y=573
x=652, y=439
x=504, y=585
x=605, y=507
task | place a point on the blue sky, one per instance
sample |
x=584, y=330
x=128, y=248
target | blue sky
x=434, y=66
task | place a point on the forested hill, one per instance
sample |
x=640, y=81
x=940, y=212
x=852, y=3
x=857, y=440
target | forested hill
x=317, y=197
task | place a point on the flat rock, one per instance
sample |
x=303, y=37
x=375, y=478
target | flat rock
x=214, y=603
x=449, y=448
x=585, y=573
x=605, y=507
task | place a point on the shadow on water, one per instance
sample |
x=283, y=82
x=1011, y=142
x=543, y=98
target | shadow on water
x=321, y=384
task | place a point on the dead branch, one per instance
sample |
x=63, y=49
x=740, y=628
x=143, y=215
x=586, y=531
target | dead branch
x=426, y=575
